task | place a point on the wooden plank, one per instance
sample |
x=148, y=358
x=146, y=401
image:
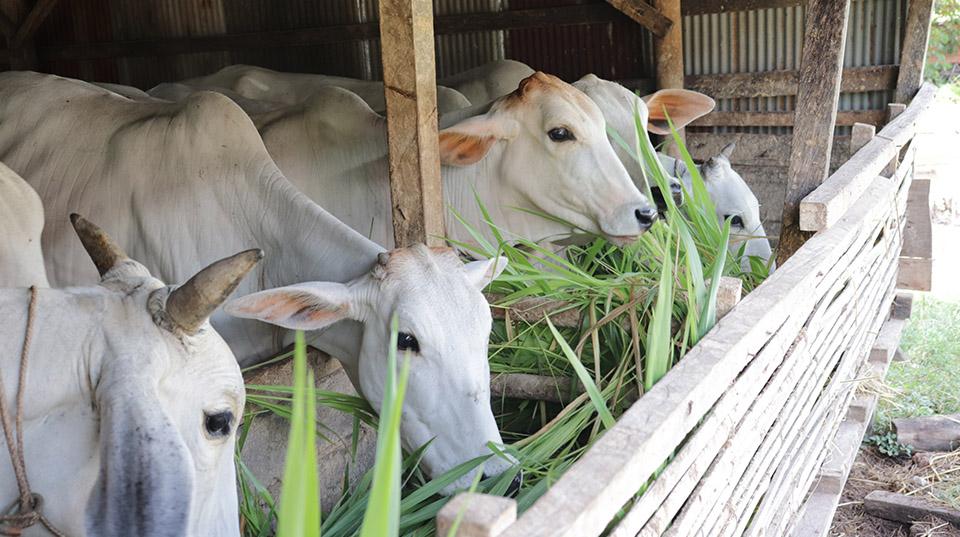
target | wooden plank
x=646, y=15
x=916, y=274
x=410, y=88
x=574, y=15
x=903, y=508
x=481, y=515
x=902, y=129
x=929, y=433
x=862, y=133
x=534, y=387
x=918, y=234
x=699, y=7
x=584, y=500
x=758, y=149
x=820, y=69
x=728, y=294
x=534, y=309
x=887, y=341
x=783, y=119
x=914, y=49
x=776, y=83
x=32, y=22
x=902, y=306
x=668, y=58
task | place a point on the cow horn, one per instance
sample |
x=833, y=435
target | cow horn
x=102, y=250
x=191, y=304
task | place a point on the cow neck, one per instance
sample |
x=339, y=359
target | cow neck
x=313, y=246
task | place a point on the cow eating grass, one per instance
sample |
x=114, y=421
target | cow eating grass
x=132, y=399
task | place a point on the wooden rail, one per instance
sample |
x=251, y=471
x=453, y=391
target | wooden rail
x=745, y=418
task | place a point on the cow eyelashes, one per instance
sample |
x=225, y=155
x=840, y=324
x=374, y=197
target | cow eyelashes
x=561, y=134
x=407, y=342
x=735, y=220
x=218, y=424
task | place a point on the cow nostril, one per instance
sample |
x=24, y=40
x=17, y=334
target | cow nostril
x=645, y=216
x=515, y=484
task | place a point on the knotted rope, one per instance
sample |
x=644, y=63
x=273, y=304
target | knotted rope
x=27, y=510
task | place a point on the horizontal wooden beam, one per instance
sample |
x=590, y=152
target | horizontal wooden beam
x=783, y=119
x=700, y=7
x=449, y=24
x=775, y=83
x=643, y=14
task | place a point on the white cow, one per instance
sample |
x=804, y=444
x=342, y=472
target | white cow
x=732, y=199
x=131, y=401
x=489, y=81
x=177, y=91
x=542, y=148
x=263, y=84
x=21, y=223
x=196, y=173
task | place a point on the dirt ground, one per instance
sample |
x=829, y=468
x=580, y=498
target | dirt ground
x=937, y=158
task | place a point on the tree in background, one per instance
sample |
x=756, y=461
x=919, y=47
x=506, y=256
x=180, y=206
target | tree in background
x=943, y=56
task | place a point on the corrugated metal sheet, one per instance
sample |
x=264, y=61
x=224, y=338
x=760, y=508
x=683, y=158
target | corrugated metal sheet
x=618, y=50
x=772, y=39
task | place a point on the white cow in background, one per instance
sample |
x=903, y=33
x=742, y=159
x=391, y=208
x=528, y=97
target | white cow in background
x=131, y=401
x=489, y=81
x=263, y=84
x=178, y=182
x=21, y=223
x=541, y=148
x=732, y=199
x=177, y=91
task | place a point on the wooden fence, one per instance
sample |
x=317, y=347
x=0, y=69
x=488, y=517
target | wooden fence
x=734, y=439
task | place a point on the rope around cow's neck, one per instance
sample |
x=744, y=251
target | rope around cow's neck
x=27, y=509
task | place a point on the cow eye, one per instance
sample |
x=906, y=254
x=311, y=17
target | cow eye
x=560, y=134
x=735, y=220
x=218, y=425
x=407, y=342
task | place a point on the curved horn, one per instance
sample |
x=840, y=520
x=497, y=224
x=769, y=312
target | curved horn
x=102, y=250
x=189, y=305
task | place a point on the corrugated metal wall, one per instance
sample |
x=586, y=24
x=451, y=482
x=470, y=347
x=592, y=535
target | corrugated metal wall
x=772, y=40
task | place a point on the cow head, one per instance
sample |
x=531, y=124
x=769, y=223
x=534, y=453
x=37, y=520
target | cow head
x=548, y=146
x=733, y=199
x=169, y=395
x=444, y=325
x=618, y=105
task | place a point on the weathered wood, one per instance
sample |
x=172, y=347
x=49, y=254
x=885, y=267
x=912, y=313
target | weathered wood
x=574, y=15
x=929, y=433
x=583, y=501
x=699, y=7
x=903, y=508
x=916, y=266
x=534, y=387
x=782, y=119
x=32, y=22
x=410, y=88
x=903, y=128
x=902, y=305
x=758, y=150
x=827, y=203
x=668, y=56
x=729, y=294
x=646, y=15
x=820, y=70
x=534, y=309
x=893, y=111
x=862, y=133
x=480, y=515
x=888, y=340
x=776, y=83
x=914, y=49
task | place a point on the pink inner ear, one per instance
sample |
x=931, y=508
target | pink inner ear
x=290, y=308
x=459, y=149
x=683, y=107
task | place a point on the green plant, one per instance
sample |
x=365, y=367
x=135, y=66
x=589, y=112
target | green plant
x=887, y=444
x=944, y=43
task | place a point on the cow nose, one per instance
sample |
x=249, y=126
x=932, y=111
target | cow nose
x=677, y=192
x=645, y=216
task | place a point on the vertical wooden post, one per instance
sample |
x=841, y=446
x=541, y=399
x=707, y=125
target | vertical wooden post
x=821, y=67
x=861, y=136
x=893, y=110
x=914, y=50
x=668, y=55
x=410, y=87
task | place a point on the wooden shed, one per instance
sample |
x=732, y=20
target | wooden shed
x=754, y=431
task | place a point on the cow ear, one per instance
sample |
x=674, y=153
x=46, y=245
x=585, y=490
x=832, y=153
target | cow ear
x=683, y=106
x=481, y=273
x=305, y=306
x=469, y=141
x=146, y=478
x=728, y=150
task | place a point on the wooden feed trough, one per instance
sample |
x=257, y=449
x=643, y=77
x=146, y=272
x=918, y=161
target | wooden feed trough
x=754, y=431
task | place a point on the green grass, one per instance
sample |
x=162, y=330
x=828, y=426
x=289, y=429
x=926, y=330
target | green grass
x=929, y=381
